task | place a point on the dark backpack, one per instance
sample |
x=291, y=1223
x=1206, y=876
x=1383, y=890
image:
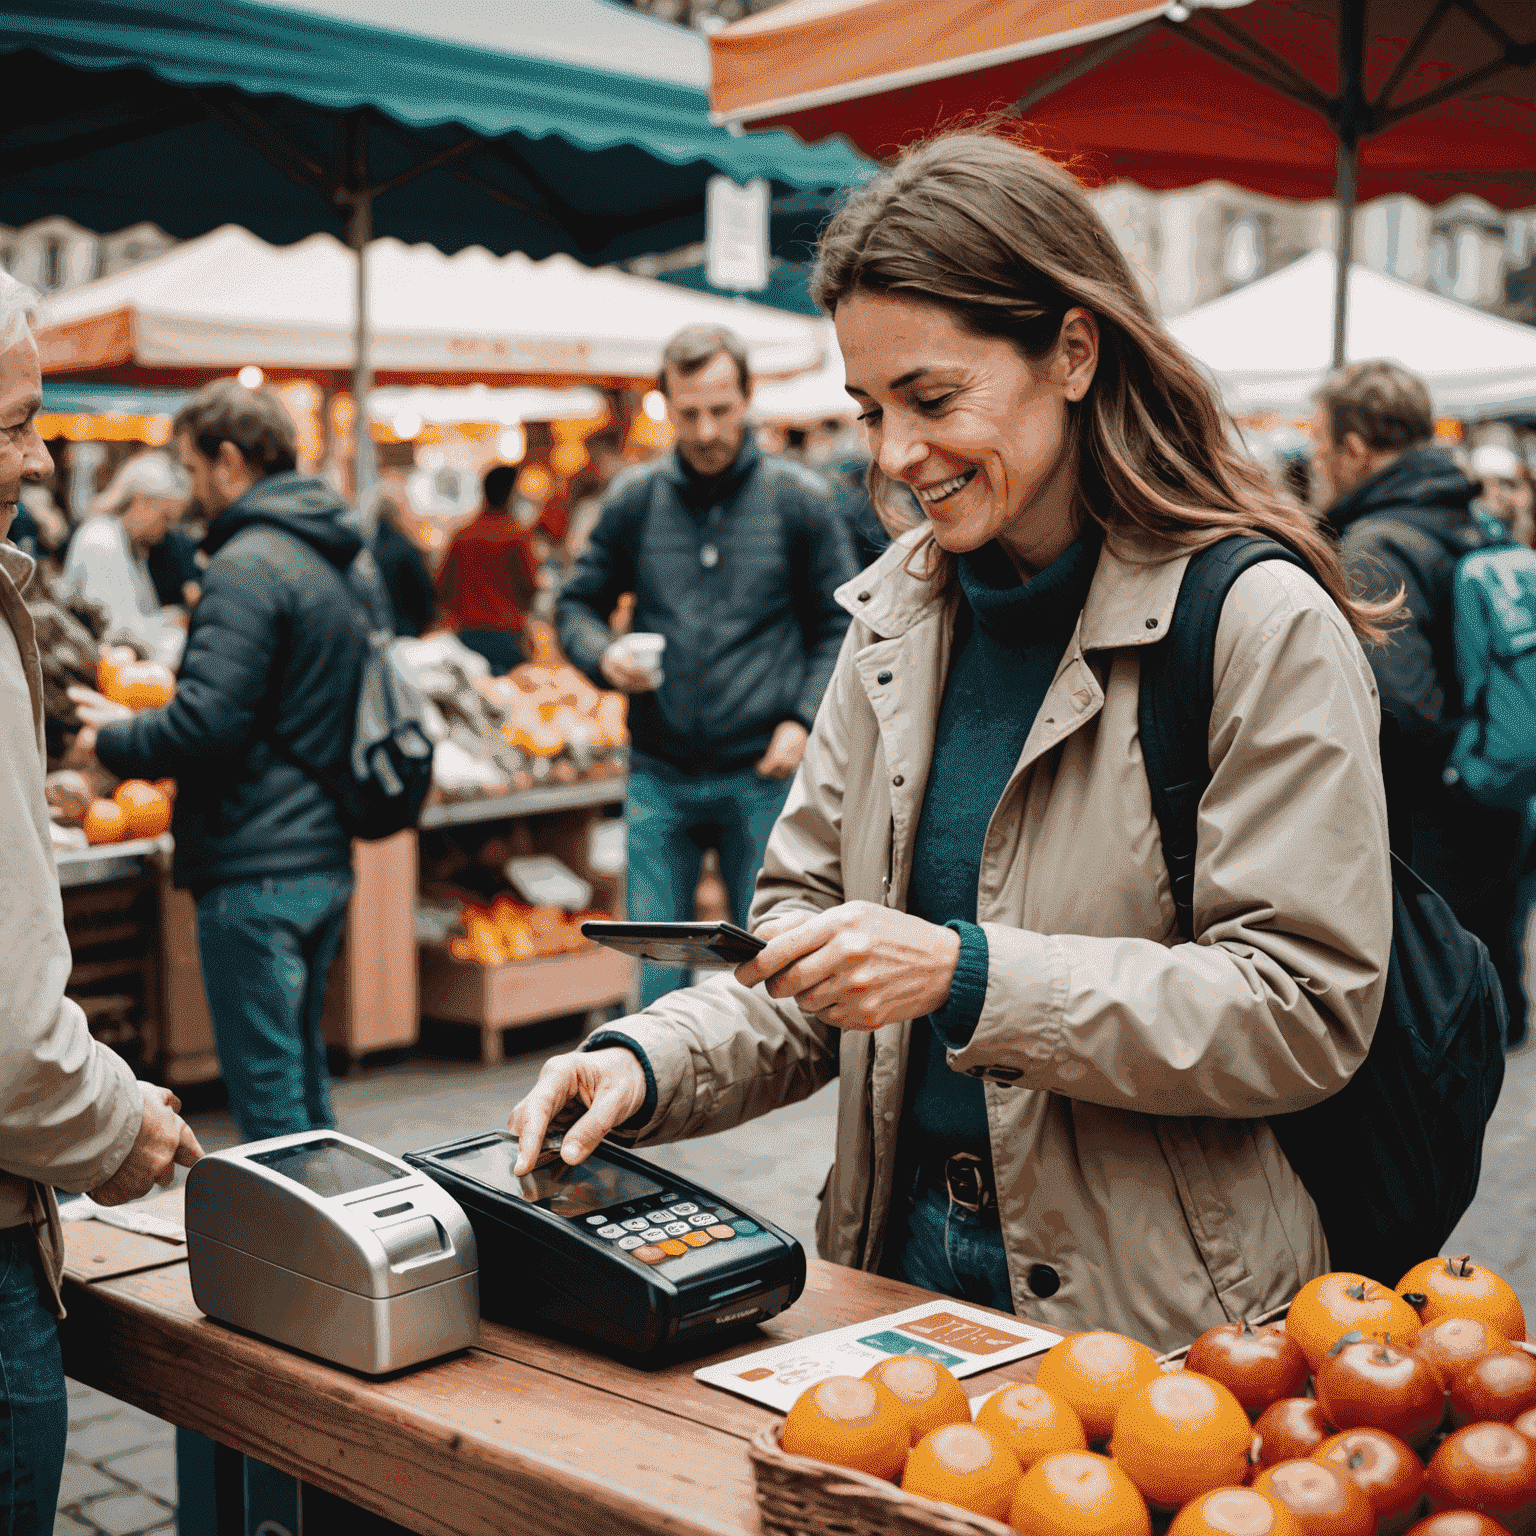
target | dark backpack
x=1392, y=1159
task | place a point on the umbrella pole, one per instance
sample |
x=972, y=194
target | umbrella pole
x=1348, y=161
x=359, y=231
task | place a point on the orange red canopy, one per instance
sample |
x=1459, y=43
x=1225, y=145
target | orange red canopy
x=1441, y=93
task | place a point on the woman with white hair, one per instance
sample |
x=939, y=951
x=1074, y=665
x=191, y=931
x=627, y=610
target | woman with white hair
x=71, y=1115
x=108, y=559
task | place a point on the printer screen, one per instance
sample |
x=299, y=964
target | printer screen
x=326, y=1166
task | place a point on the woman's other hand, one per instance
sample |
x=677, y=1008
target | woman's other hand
x=611, y=1083
x=858, y=966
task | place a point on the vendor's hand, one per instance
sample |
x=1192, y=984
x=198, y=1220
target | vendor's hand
x=858, y=966
x=610, y=1082
x=96, y=709
x=784, y=751
x=164, y=1140
x=624, y=673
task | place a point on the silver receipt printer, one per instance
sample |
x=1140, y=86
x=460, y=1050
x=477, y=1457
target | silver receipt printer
x=320, y=1242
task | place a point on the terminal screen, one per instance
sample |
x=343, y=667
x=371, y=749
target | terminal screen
x=329, y=1167
x=591, y=1186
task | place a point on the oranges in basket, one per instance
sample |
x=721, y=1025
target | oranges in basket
x=146, y=808
x=1423, y=1423
x=105, y=822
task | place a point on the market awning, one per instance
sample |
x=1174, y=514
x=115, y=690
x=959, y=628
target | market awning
x=581, y=128
x=214, y=305
x=1268, y=345
x=1167, y=94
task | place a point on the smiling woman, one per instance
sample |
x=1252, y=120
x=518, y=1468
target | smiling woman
x=1048, y=1102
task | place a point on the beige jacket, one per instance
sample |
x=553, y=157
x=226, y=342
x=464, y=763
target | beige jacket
x=69, y=1108
x=1128, y=1073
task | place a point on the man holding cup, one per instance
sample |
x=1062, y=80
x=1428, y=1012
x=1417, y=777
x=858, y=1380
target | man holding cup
x=733, y=557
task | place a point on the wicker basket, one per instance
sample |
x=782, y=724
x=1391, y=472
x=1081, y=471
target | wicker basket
x=799, y=1496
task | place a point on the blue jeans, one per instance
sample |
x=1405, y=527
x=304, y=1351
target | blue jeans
x=34, y=1411
x=673, y=817
x=267, y=947
x=951, y=1251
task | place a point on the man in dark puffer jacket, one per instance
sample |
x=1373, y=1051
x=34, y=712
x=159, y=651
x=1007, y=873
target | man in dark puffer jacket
x=268, y=682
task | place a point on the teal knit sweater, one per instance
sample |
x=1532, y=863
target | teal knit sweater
x=1009, y=639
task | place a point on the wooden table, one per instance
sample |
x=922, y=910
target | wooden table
x=521, y=1434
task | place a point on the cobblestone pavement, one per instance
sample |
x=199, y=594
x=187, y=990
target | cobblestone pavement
x=120, y=1478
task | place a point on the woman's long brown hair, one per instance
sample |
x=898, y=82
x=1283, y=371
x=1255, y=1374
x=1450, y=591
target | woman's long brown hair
x=1006, y=241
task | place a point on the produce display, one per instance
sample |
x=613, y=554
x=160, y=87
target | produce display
x=1368, y=1412
x=508, y=930
x=542, y=723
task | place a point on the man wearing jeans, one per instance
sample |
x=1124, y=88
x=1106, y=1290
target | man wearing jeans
x=264, y=709
x=733, y=557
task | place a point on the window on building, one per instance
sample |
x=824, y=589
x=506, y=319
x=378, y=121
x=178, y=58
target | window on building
x=53, y=264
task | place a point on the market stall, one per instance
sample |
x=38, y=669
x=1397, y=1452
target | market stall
x=1268, y=345
x=523, y=1433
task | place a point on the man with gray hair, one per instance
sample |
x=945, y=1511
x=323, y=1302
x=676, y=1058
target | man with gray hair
x=71, y=1115
x=733, y=557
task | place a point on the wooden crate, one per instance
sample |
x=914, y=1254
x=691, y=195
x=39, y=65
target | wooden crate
x=497, y=997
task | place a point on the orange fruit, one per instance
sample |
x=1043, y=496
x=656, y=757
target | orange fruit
x=1323, y=1497
x=142, y=685
x=108, y=662
x=1093, y=1373
x=930, y=1395
x=1031, y=1422
x=105, y=822
x=147, y=810
x=850, y=1423
x=1234, y=1512
x=1077, y=1493
x=1454, y=1344
x=1328, y=1307
x=1180, y=1436
x=1459, y=1288
x=960, y=1464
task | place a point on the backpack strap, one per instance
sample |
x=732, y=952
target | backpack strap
x=1177, y=691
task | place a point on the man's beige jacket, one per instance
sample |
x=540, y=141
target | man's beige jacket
x=69, y=1108
x=1128, y=1075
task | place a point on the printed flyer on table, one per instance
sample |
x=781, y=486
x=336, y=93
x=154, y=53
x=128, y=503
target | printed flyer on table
x=964, y=1339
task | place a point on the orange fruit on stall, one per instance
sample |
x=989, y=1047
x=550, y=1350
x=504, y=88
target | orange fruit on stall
x=1180, y=1436
x=1032, y=1422
x=1234, y=1512
x=928, y=1393
x=1324, y=1498
x=962, y=1465
x=1093, y=1373
x=105, y=822
x=143, y=685
x=1459, y=1288
x=1331, y=1305
x=1078, y=1493
x=1452, y=1344
x=108, y=663
x=146, y=808
x=850, y=1423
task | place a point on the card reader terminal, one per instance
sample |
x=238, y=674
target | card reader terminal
x=615, y=1249
x=318, y=1241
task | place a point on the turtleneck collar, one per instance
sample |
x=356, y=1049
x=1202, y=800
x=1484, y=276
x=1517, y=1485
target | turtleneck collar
x=699, y=490
x=1020, y=613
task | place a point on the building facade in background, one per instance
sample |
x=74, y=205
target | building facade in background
x=54, y=254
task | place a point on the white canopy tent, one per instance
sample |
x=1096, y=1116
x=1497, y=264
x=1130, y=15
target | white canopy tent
x=223, y=301
x=818, y=396
x=1270, y=344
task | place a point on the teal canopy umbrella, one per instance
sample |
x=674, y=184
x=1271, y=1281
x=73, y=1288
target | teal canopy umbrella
x=536, y=125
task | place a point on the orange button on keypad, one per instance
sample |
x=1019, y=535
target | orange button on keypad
x=672, y=1247
x=697, y=1239
x=650, y=1254
x=721, y=1232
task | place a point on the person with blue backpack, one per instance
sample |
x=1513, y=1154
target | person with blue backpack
x=286, y=711
x=1458, y=673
